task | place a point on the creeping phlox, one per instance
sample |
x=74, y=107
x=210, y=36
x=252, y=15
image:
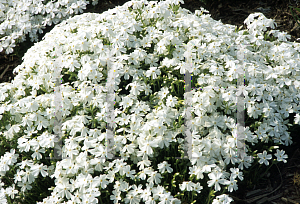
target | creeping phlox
x=19, y=18
x=140, y=52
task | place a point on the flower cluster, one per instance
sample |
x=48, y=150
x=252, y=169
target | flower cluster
x=19, y=18
x=140, y=52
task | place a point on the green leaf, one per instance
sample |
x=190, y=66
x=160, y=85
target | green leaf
x=297, y=9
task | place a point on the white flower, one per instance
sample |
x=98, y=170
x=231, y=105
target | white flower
x=37, y=153
x=164, y=92
x=65, y=188
x=24, y=186
x=242, y=89
x=153, y=72
x=228, y=95
x=216, y=180
x=10, y=191
x=126, y=102
x=216, y=70
x=163, y=166
x=135, y=88
x=154, y=178
x=152, y=60
x=143, y=163
x=282, y=36
x=264, y=157
x=171, y=101
x=232, y=185
x=36, y=169
x=131, y=198
x=147, y=146
x=128, y=172
x=116, y=196
x=176, y=2
x=222, y=199
x=281, y=156
x=297, y=119
x=187, y=186
x=235, y=172
x=198, y=187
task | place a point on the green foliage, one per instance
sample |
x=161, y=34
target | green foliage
x=297, y=18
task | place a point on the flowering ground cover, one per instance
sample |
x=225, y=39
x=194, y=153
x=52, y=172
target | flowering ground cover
x=230, y=12
x=137, y=56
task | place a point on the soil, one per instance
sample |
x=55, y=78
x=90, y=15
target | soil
x=280, y=185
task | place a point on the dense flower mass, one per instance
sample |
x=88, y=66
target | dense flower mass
x=19, y=18
x=138, y=56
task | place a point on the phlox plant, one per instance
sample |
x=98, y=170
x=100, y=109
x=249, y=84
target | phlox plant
x=137, y=57
x=21, y=18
